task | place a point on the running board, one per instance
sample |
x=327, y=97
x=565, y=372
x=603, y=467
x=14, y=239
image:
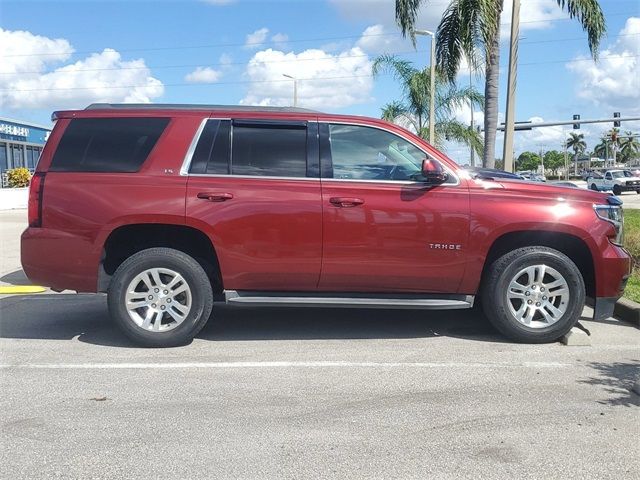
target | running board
x=352, y=300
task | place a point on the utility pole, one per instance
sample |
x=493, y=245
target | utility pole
x=566, y=160
x=473, y=153
x=507, y=152
x=432, y=101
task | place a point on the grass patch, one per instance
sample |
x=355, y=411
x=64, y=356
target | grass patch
x=632, y=244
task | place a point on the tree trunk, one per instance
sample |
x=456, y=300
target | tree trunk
x=491, y=85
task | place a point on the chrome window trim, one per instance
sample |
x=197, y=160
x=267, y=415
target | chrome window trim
x=186, y=163
x=265, y=177
x=378, y=127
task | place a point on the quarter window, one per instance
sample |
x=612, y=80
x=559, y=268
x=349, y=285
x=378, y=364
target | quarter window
x=367, y=153
x=275, y=150
x=107, y=144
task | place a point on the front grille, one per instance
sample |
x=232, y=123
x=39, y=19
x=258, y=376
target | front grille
x=633, y=182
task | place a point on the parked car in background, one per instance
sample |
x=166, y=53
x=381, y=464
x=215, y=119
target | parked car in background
x=564, y=184
x=532, y=176
x=617, y=181
x=479, y=172
x=170, y=208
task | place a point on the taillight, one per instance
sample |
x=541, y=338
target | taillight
x=36, y=189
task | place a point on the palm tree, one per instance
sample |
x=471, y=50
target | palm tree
x=577, y=144
x=602, y=148
x=471, y=29
x=413, y=110
x=629, y=147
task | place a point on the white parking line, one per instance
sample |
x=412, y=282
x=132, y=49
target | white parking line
x=319, y=364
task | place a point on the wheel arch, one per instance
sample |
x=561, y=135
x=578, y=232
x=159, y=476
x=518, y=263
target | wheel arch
x=572, y=246
x=125, y=240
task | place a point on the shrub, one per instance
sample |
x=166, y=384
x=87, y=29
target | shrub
x=18, y=177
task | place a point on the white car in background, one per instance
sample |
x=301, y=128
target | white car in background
x=617, y=181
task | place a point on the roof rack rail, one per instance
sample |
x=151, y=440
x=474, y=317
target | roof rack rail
x=191, y=106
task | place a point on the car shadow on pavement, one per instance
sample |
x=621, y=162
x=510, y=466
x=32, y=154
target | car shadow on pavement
x=15, y=278
x=85, y=317
x=617, y=380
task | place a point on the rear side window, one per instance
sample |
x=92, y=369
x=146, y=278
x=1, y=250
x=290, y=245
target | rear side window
x=275, y=150
x=107, y=144
x=211, y=155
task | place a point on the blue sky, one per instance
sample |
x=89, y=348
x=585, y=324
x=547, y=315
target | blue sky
x=196, y=51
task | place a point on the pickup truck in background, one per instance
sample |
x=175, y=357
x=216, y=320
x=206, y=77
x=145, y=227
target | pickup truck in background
x=617, y=181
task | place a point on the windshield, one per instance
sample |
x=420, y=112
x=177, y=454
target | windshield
x=621, y=173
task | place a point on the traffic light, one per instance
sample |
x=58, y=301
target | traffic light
x=616, y=123
x=576, y=126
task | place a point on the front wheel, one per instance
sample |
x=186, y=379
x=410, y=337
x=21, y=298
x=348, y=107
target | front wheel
x=533, y=294
x=160, y=297
x=617, y=190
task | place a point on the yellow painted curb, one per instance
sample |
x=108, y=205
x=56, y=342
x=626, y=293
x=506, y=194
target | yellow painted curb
x=7, y=289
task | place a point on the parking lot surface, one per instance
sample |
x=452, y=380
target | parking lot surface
x=306, y=393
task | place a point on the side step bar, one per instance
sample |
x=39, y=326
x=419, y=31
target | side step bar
x=349, y=300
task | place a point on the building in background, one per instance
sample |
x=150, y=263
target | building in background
x=20, y=144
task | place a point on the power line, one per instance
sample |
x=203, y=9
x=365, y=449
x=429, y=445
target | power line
x=223, y=64
x=220, y=64
x=274, y=81
x=254, y=44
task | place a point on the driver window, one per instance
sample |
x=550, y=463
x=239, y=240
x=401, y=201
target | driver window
x=608, y=176
x=367, y=153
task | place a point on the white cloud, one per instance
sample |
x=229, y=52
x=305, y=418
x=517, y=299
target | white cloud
x=203, y=75
x=100, y=77
x=280, y=38
x=377, y=39
x=255, y=39
x=24, y=52
x=613, y=83
x=325, y=80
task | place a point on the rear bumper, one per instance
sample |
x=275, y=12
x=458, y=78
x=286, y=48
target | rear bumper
x=60, y=260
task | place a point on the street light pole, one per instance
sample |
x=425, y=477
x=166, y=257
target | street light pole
x=295, y=88
x=507, y=152
x=473, y=159
x=432, y=106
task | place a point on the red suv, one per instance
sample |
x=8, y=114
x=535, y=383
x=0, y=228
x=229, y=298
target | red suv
x=170, y=208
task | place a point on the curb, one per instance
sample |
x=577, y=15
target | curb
x=628, y=310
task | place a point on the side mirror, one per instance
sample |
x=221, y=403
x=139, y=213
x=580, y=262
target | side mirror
x=432, y=172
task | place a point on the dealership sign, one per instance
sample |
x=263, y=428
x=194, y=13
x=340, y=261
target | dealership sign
x=15, y=130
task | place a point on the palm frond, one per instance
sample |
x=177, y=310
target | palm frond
x=591, y=17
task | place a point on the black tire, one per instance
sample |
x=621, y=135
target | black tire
x=637, y=191
x=616, y=190
x=593, y=187
x=495, y=287
x=193, y=274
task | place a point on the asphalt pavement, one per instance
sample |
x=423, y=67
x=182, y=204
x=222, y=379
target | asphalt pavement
x=306, y=393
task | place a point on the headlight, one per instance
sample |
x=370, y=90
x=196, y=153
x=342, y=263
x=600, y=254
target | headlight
x=612, y=214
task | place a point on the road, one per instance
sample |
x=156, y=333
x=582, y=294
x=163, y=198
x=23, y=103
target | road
x=307, y=393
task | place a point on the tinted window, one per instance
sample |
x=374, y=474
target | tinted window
x=107, y=144
x=269, y=150
x=219, y=157
x=366, y=153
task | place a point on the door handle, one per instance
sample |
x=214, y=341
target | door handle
x=346, y=202
x=215, y=197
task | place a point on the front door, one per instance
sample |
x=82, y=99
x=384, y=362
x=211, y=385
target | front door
x=253, y=191
x=382, y=230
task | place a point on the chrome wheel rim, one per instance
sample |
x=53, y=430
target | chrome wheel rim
x=538, y=296
x=158, y=299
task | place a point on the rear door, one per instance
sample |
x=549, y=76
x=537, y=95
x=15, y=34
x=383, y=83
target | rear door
x=384, y=231
x=254, y=188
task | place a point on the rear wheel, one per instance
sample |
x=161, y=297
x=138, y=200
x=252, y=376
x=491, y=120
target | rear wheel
x=593, y=187
x=160, y=297
x=533, y=294
x=617, y=190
